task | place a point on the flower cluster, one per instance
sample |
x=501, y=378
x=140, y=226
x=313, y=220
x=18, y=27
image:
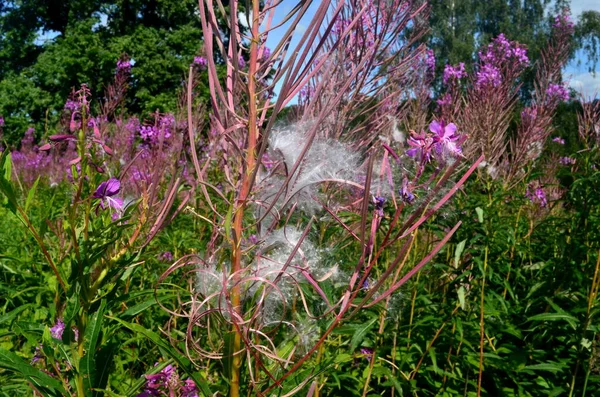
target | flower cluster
x=567, y=161
x=201, y=62
x=164, y=124
x=563, y=23
x=58, y=330
x=536, y=196
x=502, y=59
x=488, y=76
x=557, y=92
x=454, y=72
x=430, y=60
x=501, y=50
x=167, y=383
x=123, y=66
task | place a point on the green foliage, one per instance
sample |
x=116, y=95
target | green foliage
x=81, y=42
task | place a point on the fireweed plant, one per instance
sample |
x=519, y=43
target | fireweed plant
x=490, y=96
x=121, y=178
x=268, y=292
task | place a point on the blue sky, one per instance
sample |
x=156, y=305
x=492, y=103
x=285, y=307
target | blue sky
x=578, y=76
x=576, y=73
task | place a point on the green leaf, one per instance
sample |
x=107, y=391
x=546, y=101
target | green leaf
x=31, y=194
x=45, y=384
x=479, y=214
x=555, y=317
x=181, y=361
x=227, y=223
x=461, y=296
x=11, y=315
x=140, y=307
x=460, y=247
x=5, y=184
x=549, y=366
x=87, y=366
x=360, y=333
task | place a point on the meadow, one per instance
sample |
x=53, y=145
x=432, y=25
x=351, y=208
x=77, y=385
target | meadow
x=331, y=219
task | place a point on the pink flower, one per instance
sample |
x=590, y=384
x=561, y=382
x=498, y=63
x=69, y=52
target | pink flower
x=106, y=192
x=445, y=138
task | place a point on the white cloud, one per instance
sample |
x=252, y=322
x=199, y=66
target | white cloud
x=578, y=6
x=587, y=84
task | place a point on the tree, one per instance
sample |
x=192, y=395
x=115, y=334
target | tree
x=47, y=48
x=459, y=28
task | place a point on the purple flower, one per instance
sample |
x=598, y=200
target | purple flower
x=241, y=62
x=166, y=256
x=567, y=161
x=266, y=53
x=536, y=196
x=1, y=121
x=445, y=100
x=405, y=193
x=201, y=62
x=379, y=204
x=106, y=192
x=488, y=75
x=558, y=140
x=420, y=146
x=38, y=354
x=368, y=352
x=72, y=106
x=58, y=329
x=123, y=66
x=557, y=92
x=445, y=138
x=563, y=23
x=454, y=72
x=166, y=382
x=189, y=389
x=528, y=115
x=430, y=60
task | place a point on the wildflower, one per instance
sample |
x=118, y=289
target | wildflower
x=557, y=92
x=1, y=121
x=563, y=23
x=430, y=60
x=445, y=138
x=445, y=100
x=123, y=66
x=72, y=105
x=106, y=192
x=454, y=72
x=420, y=146
x=488, y=75
x=241, y=62
x=57, y=330
x=38, y=354
x=379, y=204
x=167, y=382
x=266, y=53
x=166, y=256
x=368, y=352
x=201, y=62
x=558, y=140
x=365, y=285
x=528, y=115
x=536, y=196
x=567, y=161
x=405, y=193
x=189, y=389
